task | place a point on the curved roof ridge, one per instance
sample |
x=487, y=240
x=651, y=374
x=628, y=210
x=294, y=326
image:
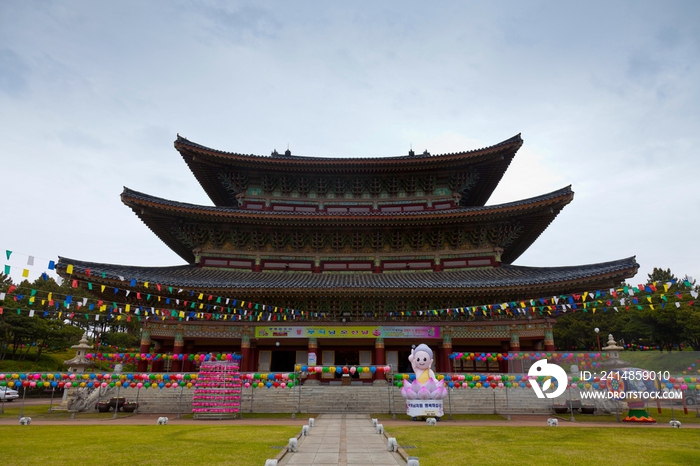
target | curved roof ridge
x=517, y=139
x=583, y=276
x=565, y=191
x=626, y=261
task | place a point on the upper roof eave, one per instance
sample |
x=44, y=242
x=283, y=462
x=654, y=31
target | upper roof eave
x=295, y=161
x=207, y=164
x=137, y=199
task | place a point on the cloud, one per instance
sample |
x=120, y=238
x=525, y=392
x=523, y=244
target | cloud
x=13, y=73
x=242, y=24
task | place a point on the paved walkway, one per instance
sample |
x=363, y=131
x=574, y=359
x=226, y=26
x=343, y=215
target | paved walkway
x=343, y=440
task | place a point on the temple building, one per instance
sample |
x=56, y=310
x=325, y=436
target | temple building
x=347, y=260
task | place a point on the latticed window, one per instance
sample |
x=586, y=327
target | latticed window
x=401, y=305
x=411, y=185
x=396, y=240
x=218, y=238
x=358, y=186
x=286, y=185
x=379, y=307
x=317, y=240
x=240, y=182
x=393, y=186
x=391, y=307
x=278, y=240
x=304, y=186
x=377, y=240
x=455, y=238
x=375, y=186
x=321, y=186
x=368, y=309
x=312, y=305
x=258, y=239
x=417, y=240
x=428, y=183
x=337, y=240
x=357, y=240
x=298, y=240
x=239, y=238
x=269, y=183
x=437, y=239
x=334, y=306
x=339, y=186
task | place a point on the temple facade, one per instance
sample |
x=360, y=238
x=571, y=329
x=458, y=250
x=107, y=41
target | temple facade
x=347, y=261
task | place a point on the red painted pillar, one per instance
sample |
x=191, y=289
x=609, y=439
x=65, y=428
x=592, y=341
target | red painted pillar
x=445, y=364
x=145, y=348
x=516, y=366
x=379, y=358
x=178, y=348
x=548, y=339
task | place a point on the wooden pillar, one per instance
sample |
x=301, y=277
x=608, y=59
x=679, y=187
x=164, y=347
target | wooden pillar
x=516, y=366
x=503, y=364
x=445, y=361
x=145, y=348
x=159, y=364
x=379, y=358
x=187, y=364
x=178, y=347
x=245, y=353
x=548, y=339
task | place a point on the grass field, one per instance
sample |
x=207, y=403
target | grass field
x=143, y=445
x=447, y=445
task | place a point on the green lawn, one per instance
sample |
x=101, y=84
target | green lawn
x=450, y=445
x=661, y=418
x=209, y=444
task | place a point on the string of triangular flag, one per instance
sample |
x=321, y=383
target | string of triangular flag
x=204, y=306
x=31, y=262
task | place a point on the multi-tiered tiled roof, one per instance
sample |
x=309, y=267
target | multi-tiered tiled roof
x=306, y=229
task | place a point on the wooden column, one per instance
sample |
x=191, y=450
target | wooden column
x=379, y=358
x=178, y=348
x=245, y=353
x=159, y=364
x=548, y=339
x=187, y=364
x=145, y=348
x=516, y=365
x=445, y=361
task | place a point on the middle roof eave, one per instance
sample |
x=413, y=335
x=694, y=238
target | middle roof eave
x=139, y=201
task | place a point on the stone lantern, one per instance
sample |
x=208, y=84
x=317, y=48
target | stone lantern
x=79, y=362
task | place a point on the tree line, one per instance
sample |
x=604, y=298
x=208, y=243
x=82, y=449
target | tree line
x=27, y=338
x=667, y=329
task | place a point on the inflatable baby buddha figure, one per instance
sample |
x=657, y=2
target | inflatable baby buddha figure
x=421, y=359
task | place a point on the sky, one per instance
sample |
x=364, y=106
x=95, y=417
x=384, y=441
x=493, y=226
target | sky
x=605, y=94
